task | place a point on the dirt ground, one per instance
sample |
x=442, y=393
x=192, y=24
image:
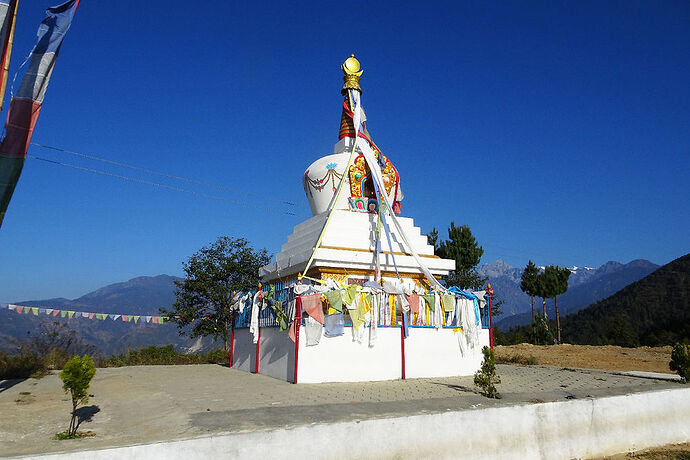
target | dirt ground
x=671, y=452
x=608, y=357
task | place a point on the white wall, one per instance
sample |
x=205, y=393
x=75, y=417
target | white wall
x=340, y=359
x=276, y=354
x=244, y=351
x=428, y=353
x=433, y=352
x=581, y=428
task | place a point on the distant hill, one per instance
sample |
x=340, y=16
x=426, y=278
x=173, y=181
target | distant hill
x=585, y=286
x=652, y=311
x=139, y=296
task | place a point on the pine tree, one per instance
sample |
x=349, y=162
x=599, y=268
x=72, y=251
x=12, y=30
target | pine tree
x=462, y=247
x=528, y=282
x=555, y=283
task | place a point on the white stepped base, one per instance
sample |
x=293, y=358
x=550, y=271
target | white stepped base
x=349, y=244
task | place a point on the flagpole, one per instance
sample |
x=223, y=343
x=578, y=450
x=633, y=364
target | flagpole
x=7, y=50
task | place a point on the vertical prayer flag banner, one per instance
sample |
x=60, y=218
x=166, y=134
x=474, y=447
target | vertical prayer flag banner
x=8, y=15
x=25, y=107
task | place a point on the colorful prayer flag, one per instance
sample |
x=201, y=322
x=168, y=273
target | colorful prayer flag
x=26, y=105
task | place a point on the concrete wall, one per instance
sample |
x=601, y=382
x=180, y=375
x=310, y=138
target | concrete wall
x=342, y=359
x=429, y=352
x=277, y=354
x=244, y=351
x=561, y=430
x=436, y=353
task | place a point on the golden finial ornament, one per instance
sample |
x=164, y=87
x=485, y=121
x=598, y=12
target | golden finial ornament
x=351, y=69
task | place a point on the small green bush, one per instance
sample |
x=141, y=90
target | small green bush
x=680, y=361
x=217, y=357
x=21, y=366
x=540, y=334
x=165, y=355
x=486, y=378
x=76, y=377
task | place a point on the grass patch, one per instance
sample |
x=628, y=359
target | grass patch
x=517, y=359
x=31, y=365
x=166, y=355
x=79, y=434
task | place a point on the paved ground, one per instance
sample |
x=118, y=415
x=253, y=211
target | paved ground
x=135, y=405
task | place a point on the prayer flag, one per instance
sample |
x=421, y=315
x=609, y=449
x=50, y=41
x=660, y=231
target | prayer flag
x=312, y=305
x=136, y=319
x=125, y=318
x=70, y=314
x=8, y=15
x=19, y=309
x=26, y=105
x=55, y=312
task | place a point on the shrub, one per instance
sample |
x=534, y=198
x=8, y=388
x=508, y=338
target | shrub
x=540, y=334
x=217, y=357
x=486, y=378
x=680, y=361
x=76, y=377
x=21, y=366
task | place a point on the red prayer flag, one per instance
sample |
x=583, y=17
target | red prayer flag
x=312, y=305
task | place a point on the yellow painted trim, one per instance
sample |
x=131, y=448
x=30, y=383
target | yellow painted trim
x=339, y=248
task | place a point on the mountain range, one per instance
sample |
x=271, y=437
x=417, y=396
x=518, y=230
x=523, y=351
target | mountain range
x=586, y=285
x=143, y=295
x=652, y=311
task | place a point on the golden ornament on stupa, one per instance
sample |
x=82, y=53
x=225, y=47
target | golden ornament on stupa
x=351, y=69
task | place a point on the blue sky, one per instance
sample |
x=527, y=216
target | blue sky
x=558, y=131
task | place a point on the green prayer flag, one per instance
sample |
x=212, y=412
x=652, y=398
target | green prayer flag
x=430, y=300
x=448, y=302
x=350, y=293
x=335, y=300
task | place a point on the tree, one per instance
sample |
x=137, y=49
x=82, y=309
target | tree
x=541, y=290
x=486, y=378
x=203, y=298
x=528, y=282
x=76, y=377
x=540, y=334
x=680, y=361
x=555, y=281
x=462, y=247
x=432, y=238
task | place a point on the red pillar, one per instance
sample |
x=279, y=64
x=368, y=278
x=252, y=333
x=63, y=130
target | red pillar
x=258, y=341
x=298, y=318
x=490, y=293
x=402, y=345
x=232, y=337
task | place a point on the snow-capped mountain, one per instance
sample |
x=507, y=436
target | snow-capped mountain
x=585, y=286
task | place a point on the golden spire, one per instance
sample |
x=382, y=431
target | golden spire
x=352, y=72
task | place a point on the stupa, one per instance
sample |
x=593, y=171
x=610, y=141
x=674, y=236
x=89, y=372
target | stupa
x=347, y=249
x=357, y=236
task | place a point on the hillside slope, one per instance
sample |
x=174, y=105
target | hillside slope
x=652, y=311
x=139, y=296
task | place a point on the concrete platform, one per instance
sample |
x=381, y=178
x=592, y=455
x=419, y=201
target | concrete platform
x=142, y=412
